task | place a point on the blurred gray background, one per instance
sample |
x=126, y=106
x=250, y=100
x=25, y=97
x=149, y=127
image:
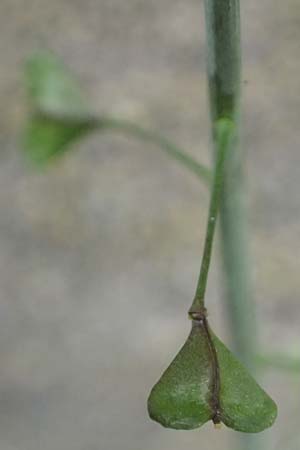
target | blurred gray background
x=99, y=254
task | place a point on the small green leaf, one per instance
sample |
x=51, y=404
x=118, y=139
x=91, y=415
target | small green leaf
x=53, y=90
x=184, y=397
x=45, y=139
x=59, y=110
x=60, y=115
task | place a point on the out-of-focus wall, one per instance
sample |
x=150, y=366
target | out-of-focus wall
x=99, y=254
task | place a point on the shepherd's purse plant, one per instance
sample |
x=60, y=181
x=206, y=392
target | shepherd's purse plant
x=205, y=382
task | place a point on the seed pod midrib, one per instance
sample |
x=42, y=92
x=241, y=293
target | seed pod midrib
x=215, y=383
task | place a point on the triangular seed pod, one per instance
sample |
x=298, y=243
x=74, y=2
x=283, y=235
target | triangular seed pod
x=206, y=382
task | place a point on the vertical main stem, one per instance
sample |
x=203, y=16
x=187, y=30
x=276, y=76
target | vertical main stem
x=224, y=76
x=223, y=53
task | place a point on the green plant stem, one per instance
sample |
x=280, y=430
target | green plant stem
x=223, y=43
x=224, y=74
x=224, y=130
x=280, y=361
x=126, y=127
x=132, y=129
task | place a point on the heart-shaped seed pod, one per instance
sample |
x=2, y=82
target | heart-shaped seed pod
x=206, y=382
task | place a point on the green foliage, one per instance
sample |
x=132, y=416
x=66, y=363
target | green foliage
x=183, y=397
x=205, y=381
x=59, y=116
x=52, y=88
x=59, y=112
x=45, y=138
